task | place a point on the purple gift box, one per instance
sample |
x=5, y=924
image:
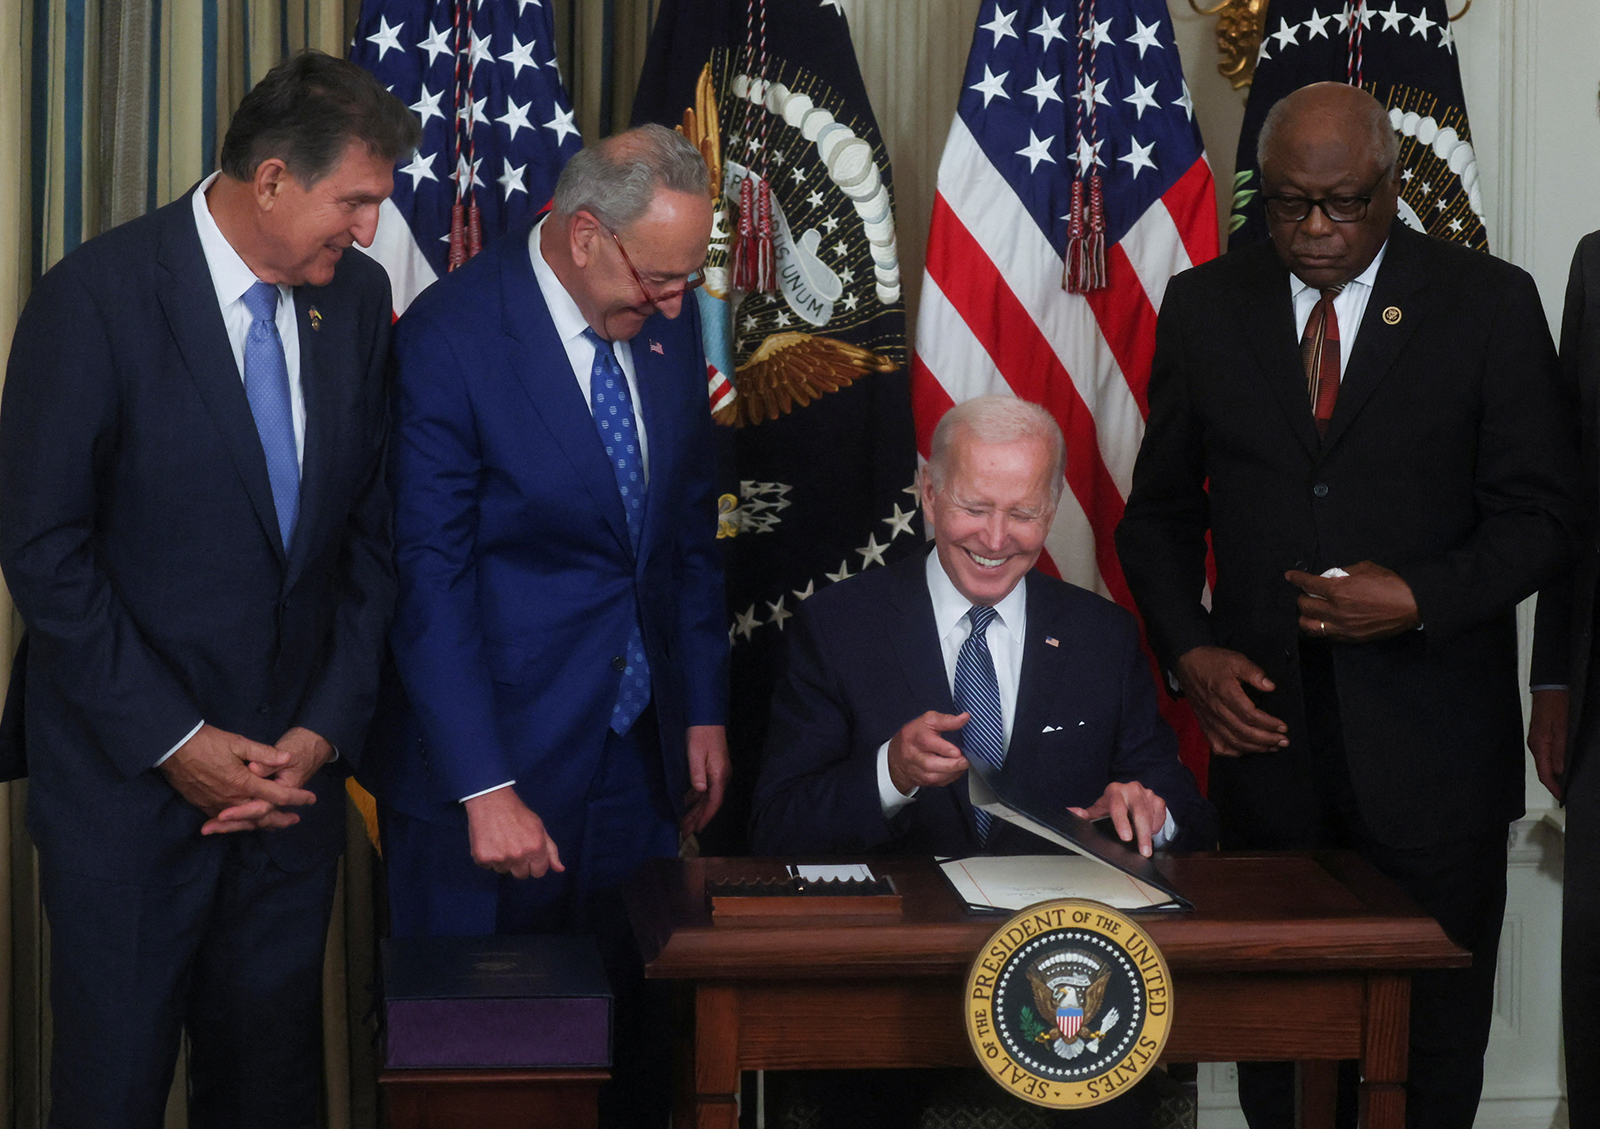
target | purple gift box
x=475, y=1002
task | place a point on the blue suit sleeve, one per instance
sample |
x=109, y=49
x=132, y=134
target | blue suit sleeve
x=702, y=613
x=438, y=640
x=57, y=443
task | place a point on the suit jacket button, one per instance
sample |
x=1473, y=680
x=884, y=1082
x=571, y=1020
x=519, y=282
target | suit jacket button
x=263, y=708
x=619, y=664
x=1320, y=489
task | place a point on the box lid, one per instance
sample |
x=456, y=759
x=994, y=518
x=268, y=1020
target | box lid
x=422, y=968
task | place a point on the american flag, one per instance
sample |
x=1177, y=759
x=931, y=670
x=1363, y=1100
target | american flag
x=1058, y=89
x=496, y=124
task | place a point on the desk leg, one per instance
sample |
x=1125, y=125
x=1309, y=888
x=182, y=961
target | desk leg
x=716, y=1057
x=1385, y=1048
x=1319, y=1093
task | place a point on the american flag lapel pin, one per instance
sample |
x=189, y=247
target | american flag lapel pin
x=316, y=318
x=655, y=347
x=1051, y=641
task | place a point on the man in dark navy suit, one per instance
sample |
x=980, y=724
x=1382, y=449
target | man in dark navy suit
x=897, y=678
x=900, y=678
x=196, y=534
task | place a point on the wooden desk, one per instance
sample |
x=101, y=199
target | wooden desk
x=1285, y=956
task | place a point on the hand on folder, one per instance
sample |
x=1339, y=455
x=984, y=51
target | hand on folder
x=1135, y=811
x=508, y=837
x=920, y=757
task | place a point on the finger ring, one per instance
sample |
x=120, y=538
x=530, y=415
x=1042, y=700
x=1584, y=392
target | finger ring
x=1322, y=625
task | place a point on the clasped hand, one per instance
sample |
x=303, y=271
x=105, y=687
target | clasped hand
x=243, y=785
x=1370, y=602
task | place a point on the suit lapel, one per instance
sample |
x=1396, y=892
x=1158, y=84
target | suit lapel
x=542, y=368
x=317, y=375
x=1378, y=343
x=189, y=302
x=1040, y=664
x=1265, y=315
x=654, y=375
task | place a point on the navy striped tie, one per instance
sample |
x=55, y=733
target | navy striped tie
x=978, y=694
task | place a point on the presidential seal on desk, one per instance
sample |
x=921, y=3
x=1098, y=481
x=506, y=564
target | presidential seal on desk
x=1068, y=1004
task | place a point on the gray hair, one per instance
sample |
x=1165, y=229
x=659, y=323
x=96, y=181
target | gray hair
x=616, y=179
x=1385, y=142
x=996, y=419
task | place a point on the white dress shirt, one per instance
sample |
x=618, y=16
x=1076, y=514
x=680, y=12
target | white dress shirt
x=1349, y=306
x=1005, y=637
x=570, y=325
x=232, y=278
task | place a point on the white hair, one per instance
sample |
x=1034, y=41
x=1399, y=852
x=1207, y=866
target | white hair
x=996, y=419
x=615, y=180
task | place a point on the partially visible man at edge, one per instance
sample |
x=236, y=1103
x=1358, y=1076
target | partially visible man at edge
x=1564, y=729
x=1378, y=503
x=196, y=533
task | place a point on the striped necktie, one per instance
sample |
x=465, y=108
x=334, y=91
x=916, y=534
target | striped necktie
x=978, y=693
x=1319, y=351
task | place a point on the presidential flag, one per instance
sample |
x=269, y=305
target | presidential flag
x=1406, y=58
x=803, y=320
x=1073, y=161
x=496, y=126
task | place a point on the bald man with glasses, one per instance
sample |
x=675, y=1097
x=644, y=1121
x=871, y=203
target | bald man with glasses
x=1366, y=423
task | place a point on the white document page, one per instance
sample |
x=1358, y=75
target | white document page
x=1013, y=882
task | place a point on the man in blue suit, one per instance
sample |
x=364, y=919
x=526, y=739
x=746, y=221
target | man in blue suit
x=899, y=677
x=560, y=631
x=196, y=534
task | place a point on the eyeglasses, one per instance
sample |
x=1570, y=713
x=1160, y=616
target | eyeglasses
x=690, y=283
x=1339, y=209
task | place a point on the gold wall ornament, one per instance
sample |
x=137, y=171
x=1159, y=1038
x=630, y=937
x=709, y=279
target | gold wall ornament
x=1240, y=25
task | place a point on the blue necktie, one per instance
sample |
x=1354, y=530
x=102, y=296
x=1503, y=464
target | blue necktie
x=266, y=386
x=613, y=417
x=977, y=693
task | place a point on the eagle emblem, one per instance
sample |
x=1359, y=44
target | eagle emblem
x=1069, y=986
x=790, y=370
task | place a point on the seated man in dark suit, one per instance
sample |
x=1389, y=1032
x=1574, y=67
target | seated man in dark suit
x=898, y=677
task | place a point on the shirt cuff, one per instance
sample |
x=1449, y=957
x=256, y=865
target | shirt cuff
x=1168, y=832
x=890, y=797
x=486, y=791
x=1548, y=686
x=199, y=725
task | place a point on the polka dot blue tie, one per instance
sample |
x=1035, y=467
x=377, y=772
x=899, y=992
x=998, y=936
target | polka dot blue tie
x=266, y=386
x=619, y=432
x=978, y=693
